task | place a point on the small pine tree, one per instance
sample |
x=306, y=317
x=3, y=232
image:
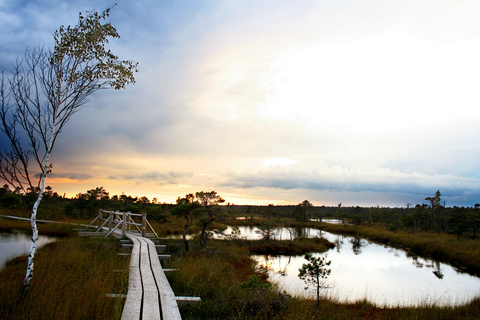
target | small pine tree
x=315, y=273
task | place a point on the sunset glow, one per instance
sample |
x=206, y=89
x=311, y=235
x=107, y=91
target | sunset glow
x=355, y=102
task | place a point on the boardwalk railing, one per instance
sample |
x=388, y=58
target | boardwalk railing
x=111, y=221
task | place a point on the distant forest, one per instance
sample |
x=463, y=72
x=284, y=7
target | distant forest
x=433, y=217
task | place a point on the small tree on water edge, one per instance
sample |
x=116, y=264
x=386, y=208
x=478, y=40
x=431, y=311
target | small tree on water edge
x=315, y=273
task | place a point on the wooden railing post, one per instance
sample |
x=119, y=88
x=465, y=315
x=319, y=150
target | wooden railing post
x=99, y=218
x=124, y=225
x=128, y=219
x=144, y=224
x=110, y=222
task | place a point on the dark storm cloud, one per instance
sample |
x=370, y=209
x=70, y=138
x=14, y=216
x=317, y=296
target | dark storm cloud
x=455, y=190
x=171, y=177
x=71, y=176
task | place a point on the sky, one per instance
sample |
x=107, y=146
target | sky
x=363, y=102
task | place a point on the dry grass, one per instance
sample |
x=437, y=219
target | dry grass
x=73, y=275
x=71, y=279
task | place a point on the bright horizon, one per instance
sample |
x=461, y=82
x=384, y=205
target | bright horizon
x=355, y=102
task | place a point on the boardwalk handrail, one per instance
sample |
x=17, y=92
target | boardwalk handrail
x=125, y=219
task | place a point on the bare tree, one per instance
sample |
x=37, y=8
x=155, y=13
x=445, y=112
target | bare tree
x=45, y=89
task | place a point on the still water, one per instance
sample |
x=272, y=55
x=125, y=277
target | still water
x=362, y=269
x=17, y=244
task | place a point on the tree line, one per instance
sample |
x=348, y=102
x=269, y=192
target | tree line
x=426, y=217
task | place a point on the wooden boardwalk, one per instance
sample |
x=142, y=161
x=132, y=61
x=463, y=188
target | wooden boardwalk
x=149, y=296
x=149, y=293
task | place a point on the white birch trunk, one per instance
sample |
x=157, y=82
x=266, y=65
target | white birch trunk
x=33, y=222
x=33, y=218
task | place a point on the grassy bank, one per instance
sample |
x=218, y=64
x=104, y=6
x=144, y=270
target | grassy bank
x=224, y=276
x=72, y=277
x=297, y=246
x=463, y=253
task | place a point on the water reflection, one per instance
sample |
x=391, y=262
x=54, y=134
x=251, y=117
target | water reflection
x=17, y=244
x=357, y=244
x=276, y=264
x=283, y=233
x=362, y=269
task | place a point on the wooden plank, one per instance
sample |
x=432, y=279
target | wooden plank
x=132, y=307
x=148, y=287
x=151, y=303
x=169, y=304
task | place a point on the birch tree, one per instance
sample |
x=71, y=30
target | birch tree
x=44, y=90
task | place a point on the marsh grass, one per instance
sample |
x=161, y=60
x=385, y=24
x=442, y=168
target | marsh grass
x=72, y=277
x=298, y=246
x=216, y=274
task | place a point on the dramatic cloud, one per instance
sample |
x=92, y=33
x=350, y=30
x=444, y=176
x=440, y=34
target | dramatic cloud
x=366, y=102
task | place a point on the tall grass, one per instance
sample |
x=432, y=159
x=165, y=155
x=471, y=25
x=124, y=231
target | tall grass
x=218, y=275
x=72, y=277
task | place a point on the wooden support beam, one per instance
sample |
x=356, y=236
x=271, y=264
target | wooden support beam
x=116, y=295
x=187, y=300
x=92, y=233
